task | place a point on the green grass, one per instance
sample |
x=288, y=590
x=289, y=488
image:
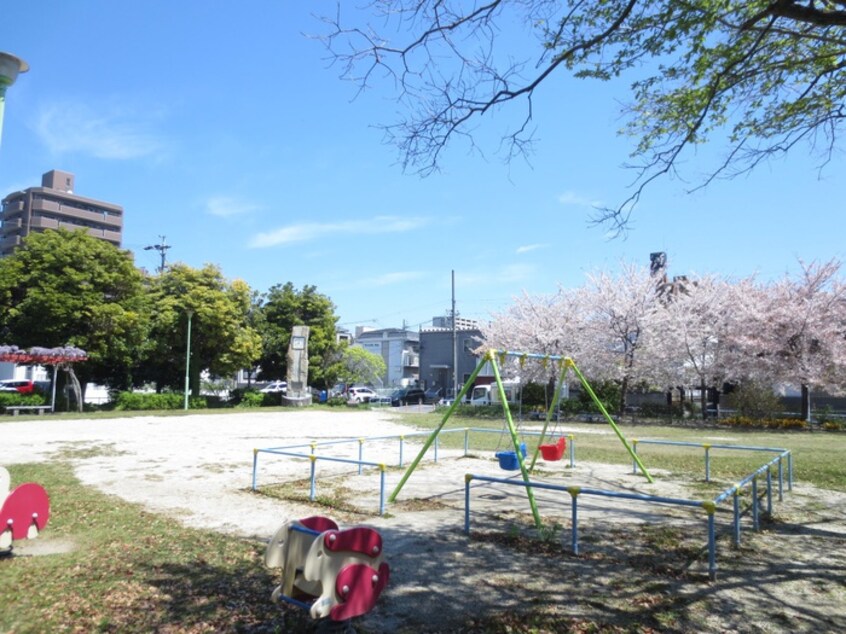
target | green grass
x=817, y=455
x=334, y=498
x=132, y=571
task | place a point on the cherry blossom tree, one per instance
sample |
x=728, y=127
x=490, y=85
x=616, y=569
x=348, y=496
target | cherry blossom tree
x=697, y=325
x=617, y=336
x=604, y=326
x=796, y=331
x=636, y=328
x=543, y=324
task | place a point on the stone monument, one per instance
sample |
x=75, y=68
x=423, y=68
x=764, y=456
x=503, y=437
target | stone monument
x=298, y=394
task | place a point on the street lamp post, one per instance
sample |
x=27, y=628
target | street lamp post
x=10, y=67
x=188, y=358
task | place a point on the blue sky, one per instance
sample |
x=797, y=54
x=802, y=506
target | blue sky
x=221, y=126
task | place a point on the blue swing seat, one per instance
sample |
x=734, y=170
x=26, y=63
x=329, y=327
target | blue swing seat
x=508, y=459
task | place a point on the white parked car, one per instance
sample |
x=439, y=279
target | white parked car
x=360, y=395
x=276, y=387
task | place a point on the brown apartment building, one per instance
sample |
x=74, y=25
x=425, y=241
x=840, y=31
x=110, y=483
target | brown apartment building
x=55, y=206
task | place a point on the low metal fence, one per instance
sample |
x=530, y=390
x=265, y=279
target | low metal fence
x=298, y=452
x=783, y=454
x=710, y=506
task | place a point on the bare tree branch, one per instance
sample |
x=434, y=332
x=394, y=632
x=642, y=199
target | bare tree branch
x=766, y=75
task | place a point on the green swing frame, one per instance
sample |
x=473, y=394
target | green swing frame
x=491, y=356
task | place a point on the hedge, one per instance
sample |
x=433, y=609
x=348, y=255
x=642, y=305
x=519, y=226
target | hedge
x=766, y=423
x=153, y=401
x=11, y=399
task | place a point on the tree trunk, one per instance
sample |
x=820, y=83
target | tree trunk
x=703, y=399
x=714, y=398
x=194, y=378
x=549, y=393
x=77, y=390
x=806, y=403
x=624, y=388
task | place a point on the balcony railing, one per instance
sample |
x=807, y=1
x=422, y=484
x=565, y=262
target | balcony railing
x=51, y=206
x=8, y=244
x=11, y=224
x=13, y=207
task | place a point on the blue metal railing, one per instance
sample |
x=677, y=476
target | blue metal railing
x=710, y=506
x=709, y=446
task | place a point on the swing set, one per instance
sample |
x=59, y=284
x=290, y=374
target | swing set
x=513, y=460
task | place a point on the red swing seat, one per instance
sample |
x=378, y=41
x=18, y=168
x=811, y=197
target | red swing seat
x=554, y=452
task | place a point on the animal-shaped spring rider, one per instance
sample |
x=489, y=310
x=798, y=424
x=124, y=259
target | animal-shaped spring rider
x=24, y=512
x=330, y=572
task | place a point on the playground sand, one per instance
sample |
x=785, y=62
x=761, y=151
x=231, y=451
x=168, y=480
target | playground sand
x=198, y=469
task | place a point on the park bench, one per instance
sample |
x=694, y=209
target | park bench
x=14, y=410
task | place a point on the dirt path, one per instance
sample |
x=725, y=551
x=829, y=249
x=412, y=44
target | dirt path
x=638, y=563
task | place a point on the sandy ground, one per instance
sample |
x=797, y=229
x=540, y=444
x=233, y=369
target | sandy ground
x=199, y=468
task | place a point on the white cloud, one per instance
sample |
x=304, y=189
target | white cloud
x=111, y=133
x=572, y=198
x=305, y=232
x=526, y=248
x=225, y=206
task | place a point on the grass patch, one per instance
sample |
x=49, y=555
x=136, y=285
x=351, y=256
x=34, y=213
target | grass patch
x=333, y=497
x=82, y=450
x=132, y=571
x=817, y=456
x=419, y=504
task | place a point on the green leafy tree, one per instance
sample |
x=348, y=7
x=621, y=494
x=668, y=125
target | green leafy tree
x=284, y=307
x=763, y=74
x=362, y=366
x=67, y=288
x=222, y=339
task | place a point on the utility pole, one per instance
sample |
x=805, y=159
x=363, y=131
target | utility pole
x=454, y=343
x=162, y=248
x=190, y=313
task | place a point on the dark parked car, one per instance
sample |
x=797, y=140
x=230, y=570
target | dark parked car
x=380, y=400
x=433, y=395
x=408, y=396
